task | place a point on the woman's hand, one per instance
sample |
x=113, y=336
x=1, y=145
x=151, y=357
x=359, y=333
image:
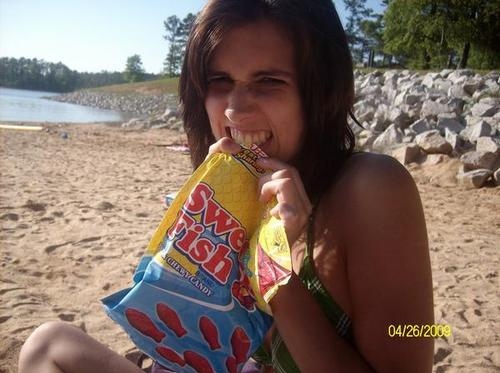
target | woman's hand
x=284, y=183
x=224, y=145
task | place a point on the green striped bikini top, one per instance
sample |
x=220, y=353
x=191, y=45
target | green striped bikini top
x=280, y=358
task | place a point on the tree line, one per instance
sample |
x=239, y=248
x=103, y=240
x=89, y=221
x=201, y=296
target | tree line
x=37, y=74
x=418, y=34
x=425, y=34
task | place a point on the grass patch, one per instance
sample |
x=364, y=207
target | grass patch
x=151, y=87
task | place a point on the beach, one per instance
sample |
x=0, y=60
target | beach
x=79, y=203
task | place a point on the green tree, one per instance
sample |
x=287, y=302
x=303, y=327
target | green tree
x=38, y=74
x=134, y=72
x=173, y=59
x=443, y=33
x=356, y=13
x=177, y=33
x=372, y=31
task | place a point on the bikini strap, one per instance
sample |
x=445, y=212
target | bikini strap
x=310, y=235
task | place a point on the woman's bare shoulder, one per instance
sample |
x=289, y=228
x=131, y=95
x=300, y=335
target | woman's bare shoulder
x=369, y=178
x=380, y=223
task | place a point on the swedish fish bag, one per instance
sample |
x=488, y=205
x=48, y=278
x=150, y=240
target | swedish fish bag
x=192, y=308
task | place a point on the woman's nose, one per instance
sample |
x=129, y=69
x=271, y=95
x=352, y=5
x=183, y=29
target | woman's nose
x=240, y=105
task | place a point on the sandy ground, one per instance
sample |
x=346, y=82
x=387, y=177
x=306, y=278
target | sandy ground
x=79, y=203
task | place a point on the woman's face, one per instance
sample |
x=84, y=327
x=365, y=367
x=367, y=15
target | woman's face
x=252, y=91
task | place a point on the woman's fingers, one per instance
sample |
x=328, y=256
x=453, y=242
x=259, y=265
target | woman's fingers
x=224, y=145
x=283, y=171
x=293, y=206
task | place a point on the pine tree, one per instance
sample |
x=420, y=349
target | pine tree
x=356, y=13
x=176, y=36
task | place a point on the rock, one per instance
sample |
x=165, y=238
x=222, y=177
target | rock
x=488, y=144
x=407, y=154
x=496, y=177
x=432, y=109
x=372, y=90
x=399, y=118
x=390, y=137
x=177, y=125
x=471, y=85
x=432, y=142
x=474, y=160
x=474, y=179
x=456, y=104
x=133, y=123
x=457, y=91
x=421, y=125
x=126, y=103
x=366, y=139
x=483, y=110
x=169, y=113
x=450, y=124
x=480, y=129
x=413, y=98
x=430, y=116
x=493, y=101
x=457, y=74
x=453, y=139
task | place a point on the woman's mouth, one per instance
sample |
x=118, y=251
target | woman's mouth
x=249, y=137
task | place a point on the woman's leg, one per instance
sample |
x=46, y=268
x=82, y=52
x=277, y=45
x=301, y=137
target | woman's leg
x=57, y=347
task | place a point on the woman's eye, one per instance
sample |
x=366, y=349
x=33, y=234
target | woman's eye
x=219, y=80
x=270, y=81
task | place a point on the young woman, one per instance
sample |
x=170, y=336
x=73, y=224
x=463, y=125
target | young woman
x=278, y=73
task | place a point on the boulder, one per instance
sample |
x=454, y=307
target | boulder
x=433, y=108
x=474, y=160
x=453, y=139
x=169, y=113
x=434, y=115
x=432, y=142
x=399, y=118
x=365, y=139
x=471, y=85
x=483, y=110
x=407, y=154
x=457, y=91
x=488, y=144
x=478, y=130
x=387, y=139
x=474, y=179
x=450, y=124
x=421, y=125
x=496, y=177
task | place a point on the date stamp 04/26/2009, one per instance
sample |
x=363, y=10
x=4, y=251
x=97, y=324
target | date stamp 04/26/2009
x=419, y=331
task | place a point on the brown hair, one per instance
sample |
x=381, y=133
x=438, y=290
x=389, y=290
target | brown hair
x=325, y=79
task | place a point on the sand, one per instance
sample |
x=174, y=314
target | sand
x=78, y=204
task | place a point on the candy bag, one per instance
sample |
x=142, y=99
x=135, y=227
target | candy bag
x=269, y=261
x=192, y=308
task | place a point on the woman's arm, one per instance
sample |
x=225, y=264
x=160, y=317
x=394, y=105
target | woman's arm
x=309, y=336
x=388, y=265
x=382, y=230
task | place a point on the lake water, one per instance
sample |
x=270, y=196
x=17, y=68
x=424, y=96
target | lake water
x=29, y=106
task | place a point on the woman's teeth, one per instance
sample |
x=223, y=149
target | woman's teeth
x=249, y=137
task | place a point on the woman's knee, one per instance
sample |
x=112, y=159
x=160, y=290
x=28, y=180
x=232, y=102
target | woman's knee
x=40, y=343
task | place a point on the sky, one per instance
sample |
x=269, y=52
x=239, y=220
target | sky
x=95, y=35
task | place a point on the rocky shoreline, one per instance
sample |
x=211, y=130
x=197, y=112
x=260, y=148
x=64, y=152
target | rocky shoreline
x=142, y=106
x=417, y=118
